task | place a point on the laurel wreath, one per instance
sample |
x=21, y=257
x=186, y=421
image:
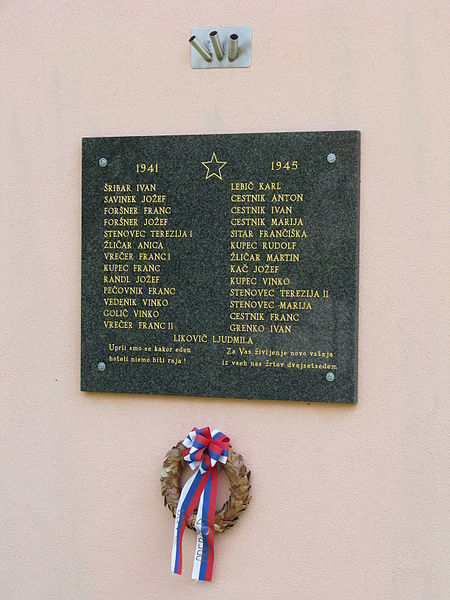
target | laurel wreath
x=238, y=477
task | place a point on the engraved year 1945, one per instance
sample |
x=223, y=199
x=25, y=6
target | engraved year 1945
x=280, y=165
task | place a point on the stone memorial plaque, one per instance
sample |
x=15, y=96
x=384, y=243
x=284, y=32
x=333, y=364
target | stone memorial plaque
x=221, y=265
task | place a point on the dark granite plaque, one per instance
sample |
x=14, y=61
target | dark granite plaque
x=221, y=265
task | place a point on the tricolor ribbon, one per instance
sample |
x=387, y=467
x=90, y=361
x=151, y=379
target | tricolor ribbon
x=205, y=449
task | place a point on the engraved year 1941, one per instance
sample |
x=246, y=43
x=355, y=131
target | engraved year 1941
x=147, y=167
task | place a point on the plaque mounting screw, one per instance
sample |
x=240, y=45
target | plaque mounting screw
x=101, y=366
x=330, y=376
x=331, y=158
x=103, y=162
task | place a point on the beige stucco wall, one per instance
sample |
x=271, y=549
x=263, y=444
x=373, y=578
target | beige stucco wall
x=350, y=503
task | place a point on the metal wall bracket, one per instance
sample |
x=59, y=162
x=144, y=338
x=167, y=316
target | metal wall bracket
x=221, y=47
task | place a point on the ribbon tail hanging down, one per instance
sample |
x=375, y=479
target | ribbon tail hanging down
x=204, y=550
x=189, y=499
x=204, y=450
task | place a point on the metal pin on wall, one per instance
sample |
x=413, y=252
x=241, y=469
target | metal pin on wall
x=193, y=40
x=233, y=48
x=221, y=47
x=215, y=41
